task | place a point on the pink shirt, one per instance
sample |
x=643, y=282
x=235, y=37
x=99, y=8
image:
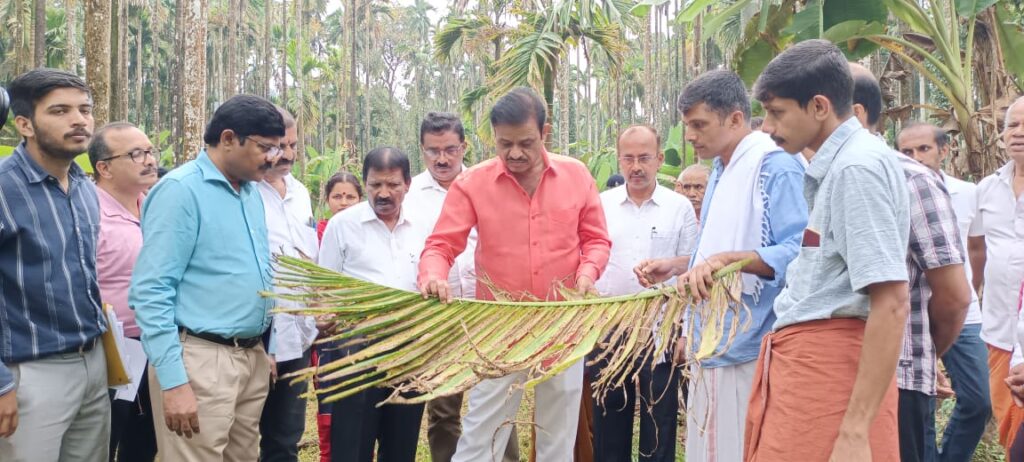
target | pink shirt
x=119, y=244
x=528, y=245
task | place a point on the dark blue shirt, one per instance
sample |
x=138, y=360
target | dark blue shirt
x=49, y=297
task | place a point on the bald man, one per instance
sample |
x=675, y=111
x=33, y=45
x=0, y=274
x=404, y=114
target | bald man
x=692, y=183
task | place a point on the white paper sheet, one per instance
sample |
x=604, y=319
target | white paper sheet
x=135, y=364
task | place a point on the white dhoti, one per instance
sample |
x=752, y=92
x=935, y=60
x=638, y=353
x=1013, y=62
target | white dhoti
x=492, y=409
x=717, y=412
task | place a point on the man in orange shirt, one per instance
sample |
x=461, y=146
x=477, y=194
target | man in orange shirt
x=541, y=227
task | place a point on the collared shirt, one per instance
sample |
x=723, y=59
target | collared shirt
x=664, y=226
x=857, y=231
x=119, y=244
x=1001, y=215
x=360, y=245
x=290, y=232
x=529, y=245
x=49, y=298
x=426, y=198
x=204, y=261
x=934, y=242
x=964, y=196
x=785, y=216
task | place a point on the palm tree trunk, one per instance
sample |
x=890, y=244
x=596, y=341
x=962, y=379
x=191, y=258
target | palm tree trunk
x=350, y=112
x=71, y=42
x=39, y=33
x=138, y=69
x=97, y=57
x=194, y=79
x=231, y=73
x=268, y=57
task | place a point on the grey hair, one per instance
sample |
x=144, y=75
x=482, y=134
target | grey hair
x=1006, y=120
x=695, y=168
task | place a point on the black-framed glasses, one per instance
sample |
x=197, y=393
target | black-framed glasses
x=136, y=155
x=269, y=150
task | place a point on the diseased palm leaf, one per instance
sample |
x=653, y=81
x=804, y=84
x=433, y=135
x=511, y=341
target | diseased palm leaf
x=425, y=349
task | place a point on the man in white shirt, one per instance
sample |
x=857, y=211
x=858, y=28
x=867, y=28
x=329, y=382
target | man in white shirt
x=380, y=242
x=443, y=147
x=645, y=220
x=967, y=360
x=290, y=231
x=1001, y=213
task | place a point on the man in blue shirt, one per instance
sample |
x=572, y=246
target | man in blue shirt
x=53, y=380
x=195, y=289
x=753, y=210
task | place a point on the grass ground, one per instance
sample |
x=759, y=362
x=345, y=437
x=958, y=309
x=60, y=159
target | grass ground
x=988, y=451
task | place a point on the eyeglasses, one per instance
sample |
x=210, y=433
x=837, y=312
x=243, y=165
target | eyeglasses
x=642, y=160
x=450, y=151
x=269, y=150
x=136, y=155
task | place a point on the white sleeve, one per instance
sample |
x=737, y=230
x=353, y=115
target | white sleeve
x=332, y=248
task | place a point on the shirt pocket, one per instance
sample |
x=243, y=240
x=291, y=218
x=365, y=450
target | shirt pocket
x=663, y=246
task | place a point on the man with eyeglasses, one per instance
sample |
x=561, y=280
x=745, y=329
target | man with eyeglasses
x=124, y=165
x=443, y=148
x=645, y=220
x=196, y=289
x=692, y=183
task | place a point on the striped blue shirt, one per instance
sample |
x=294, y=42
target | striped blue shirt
x=204, y=260
x=49, y=297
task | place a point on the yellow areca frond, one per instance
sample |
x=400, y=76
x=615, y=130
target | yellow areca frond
x=425, y=349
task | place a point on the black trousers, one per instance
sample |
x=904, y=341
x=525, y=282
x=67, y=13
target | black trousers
x=358, y=425
x=916, y=414
x=132, y=438
x=659, y=407
x=284, y=415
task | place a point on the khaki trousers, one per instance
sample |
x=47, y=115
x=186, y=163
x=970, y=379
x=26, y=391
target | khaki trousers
x=63, y=410
x=444, y=428
x=230, y=385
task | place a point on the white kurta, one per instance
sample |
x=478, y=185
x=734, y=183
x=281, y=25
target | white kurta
x=291, y=231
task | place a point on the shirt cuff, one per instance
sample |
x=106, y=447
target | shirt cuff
x=171, y=374
x=6, y=380
x=778, y=258
x=587, y=270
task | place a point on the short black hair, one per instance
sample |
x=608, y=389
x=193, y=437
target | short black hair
x=98, y=149
x=27, y=89
x=387, y=158
x=245, y=115
x=518, y=106
x=615, y=181
x=867, y=93
x=437, y=123
x=343, y=177
x=756, y=122
x=721, y=90
x=809, y=68
x=941, y=138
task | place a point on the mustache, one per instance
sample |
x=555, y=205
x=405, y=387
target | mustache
x=79, y=132
x=778, y=140
x=284, y=162
x=383, y=202
x=148, y=171
x=266, y=166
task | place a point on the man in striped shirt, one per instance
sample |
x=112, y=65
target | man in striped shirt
x=53, y=380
